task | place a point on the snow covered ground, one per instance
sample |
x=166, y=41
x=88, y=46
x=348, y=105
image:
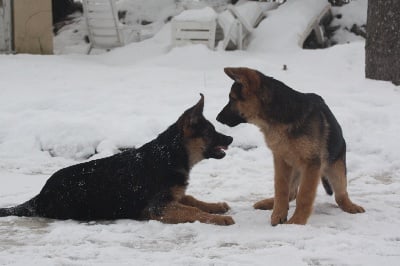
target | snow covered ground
x=59, y=110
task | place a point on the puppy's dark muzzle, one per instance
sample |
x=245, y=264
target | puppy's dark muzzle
x=226, y=140
x=221, y=117
x=220, y=146
x=229, y=118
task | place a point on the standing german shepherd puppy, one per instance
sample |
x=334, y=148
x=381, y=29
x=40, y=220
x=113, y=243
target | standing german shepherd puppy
x=304, y=136
x=144, y=183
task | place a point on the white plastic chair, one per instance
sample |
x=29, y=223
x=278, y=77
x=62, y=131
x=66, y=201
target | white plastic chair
x=195, y=26
x=315, y=25
x=105, y=30
x=233, y=32
x=239, y=21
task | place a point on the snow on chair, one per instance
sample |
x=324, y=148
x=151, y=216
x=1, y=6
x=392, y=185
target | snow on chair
x=195, y=26
x=239, y=21
x=105, y=30
x=248, y=14
x=315, y=25
x=233, y=32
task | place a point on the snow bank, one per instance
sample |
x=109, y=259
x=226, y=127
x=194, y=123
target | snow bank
x=354, y=13
x=137, y=52
x=138, y=11
x=49, y=121
x=283, y=27
x=204, y=14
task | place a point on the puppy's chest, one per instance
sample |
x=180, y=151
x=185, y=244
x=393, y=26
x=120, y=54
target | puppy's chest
x=278, y=140
x=275, y=137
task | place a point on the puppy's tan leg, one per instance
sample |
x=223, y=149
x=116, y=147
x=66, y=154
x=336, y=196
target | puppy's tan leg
x=176, y=212
x=309, y=181
x=282, y=183
x=265, y=204
x=220, y=207
x=338, y=180
x=268, y=204
x=294, y=184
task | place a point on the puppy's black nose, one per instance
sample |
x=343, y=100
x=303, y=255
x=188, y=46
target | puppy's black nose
x=226, y=140
x=219, y=117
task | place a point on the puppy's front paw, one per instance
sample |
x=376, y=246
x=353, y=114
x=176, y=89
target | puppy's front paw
x=352, y=208
x=217, y=208
x=222, y=220
x=278, y=217
x=265, y=204
x=220, y=207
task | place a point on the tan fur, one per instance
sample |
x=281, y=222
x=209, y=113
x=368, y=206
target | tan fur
x=339, y=185
x=195, y=148
x=299, y=162
x=178, y=192
x=198, y=140
x=176, y=212
x=185, y=208
x=248, y=77
x=220, y=207
x=268, y=204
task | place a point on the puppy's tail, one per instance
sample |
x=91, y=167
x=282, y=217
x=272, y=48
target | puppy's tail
x=326, y=185
x=25, y=209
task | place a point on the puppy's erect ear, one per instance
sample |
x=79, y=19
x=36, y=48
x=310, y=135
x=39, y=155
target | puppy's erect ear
x=249, y=78
x=192, y=116
x=199, y=107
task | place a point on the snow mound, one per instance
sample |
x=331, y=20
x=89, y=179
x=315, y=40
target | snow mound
x=204, y=14
x=283, y=27
x=354, y=13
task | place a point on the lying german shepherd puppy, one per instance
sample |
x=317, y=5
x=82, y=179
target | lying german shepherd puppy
x=144, y=183
x=304, y=136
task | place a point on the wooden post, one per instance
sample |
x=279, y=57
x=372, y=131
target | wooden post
x=33, y=28
x=6, y=44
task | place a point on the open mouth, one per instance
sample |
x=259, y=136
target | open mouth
x=219, y=151
x=218, y=147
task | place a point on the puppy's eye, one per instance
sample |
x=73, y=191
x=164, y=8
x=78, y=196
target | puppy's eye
x=208, y=131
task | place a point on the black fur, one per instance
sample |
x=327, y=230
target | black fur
x=288, y=106
x=134, y=184
x=283, y=105
x=305, y=139
x=327, y=186
x=120, y=186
